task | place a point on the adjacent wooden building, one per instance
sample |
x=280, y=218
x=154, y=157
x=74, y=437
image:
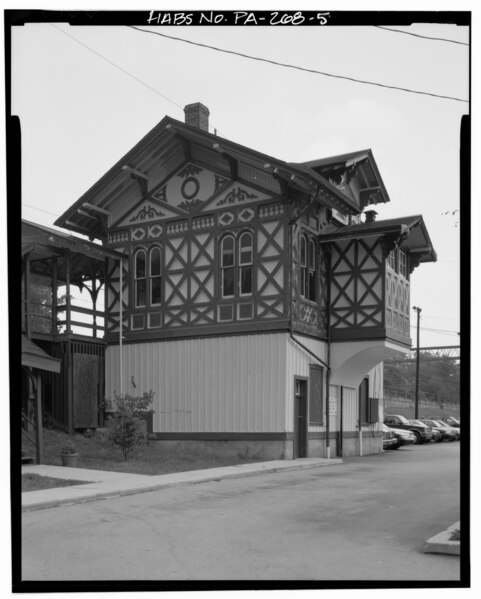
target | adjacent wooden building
x=65, y=331
x=250, y=294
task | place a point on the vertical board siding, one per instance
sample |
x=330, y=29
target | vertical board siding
x=226, y=384
x=350, y=407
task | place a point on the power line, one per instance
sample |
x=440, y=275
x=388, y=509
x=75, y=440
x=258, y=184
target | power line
x=290, y=66
x=123, y=70
x=426, y=37
x=41, y=209
x=117, y=67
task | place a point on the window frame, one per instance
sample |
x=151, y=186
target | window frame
x=307, y=268
x=238, y=266
x=148, y=277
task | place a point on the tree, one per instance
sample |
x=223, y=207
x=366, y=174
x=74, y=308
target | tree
x=127, y=422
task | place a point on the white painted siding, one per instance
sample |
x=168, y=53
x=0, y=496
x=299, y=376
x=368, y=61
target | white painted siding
x=350, y=409
x=221, y=384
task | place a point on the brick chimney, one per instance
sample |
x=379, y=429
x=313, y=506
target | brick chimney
x=370, y=216
x=197, y=115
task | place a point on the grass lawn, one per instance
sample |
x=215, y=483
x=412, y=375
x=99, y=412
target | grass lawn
x=34, y=482
x=97, y=453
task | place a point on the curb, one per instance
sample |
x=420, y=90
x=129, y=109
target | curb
x=441, y=542
x=82, y=494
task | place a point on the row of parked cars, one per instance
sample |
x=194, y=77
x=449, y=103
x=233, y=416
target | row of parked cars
x=399, y=431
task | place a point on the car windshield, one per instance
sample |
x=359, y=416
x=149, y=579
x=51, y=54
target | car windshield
x=402, y=419
x=441, y=423
x=430, y=422
x=418, y=423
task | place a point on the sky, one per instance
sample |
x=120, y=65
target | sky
x=86, y=95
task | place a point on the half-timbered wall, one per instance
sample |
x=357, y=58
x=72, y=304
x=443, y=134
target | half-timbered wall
x=186, y=218
x=368, y=297
x=357, y=268
x=308, y=276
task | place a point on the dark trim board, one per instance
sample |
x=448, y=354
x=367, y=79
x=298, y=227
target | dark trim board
x=244, y=328
x=253, y=436
x=222, y=436
x=345, y=434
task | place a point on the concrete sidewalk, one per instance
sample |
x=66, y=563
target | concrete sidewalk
x=100, y=484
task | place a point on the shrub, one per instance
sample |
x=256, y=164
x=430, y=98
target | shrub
x=68, y=448
x=126, y=422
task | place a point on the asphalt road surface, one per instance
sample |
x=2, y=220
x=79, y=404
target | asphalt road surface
x=366, y=519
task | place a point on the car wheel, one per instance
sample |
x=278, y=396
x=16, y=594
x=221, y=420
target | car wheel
x=419, y=440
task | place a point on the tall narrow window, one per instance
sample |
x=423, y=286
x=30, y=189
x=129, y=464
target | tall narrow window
x=245, y=264
x=140, y=279
x=403, y=264
x=303, y=266
x=227, y=266
x=311, y=272
x=155, y=276
x=392, y=260
x=307, y=268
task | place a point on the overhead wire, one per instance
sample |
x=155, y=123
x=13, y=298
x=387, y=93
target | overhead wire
x=427, y=37
x=117, y=66
x=303, y=69
x=122, y=70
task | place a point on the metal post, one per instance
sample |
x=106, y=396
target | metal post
x=121, y=318
x=416, y=397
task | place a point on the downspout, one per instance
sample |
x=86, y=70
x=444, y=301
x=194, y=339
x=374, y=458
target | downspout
x=328, y=331
x=360, y=423
x=341, y=449
x=121, y=320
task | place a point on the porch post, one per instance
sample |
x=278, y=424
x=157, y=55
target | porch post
x=54, y=294
x=38, y=419
x=26, y=283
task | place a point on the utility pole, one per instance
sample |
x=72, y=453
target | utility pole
x=416, y=397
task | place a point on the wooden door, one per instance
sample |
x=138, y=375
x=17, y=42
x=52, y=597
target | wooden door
x=300, y=418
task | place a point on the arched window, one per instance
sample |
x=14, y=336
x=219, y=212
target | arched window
x=245, y=264
x=140, y=279
x=147, y=278
x=227, y=266
x=155, y=276
x=236, y=265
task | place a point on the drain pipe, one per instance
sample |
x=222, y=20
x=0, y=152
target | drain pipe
x=328, y=331
x=360, y=425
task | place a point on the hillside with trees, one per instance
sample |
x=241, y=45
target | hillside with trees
x=439, y=380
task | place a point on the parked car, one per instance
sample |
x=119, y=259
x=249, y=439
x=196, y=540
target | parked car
x=445, y=433
x=403, y=438
x=436, y=436
x=451, y=421
x=388, y=438
x=422, y=432
x=455, y=431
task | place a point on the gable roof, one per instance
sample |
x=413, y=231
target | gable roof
x=411, y=230
x=88, y=215
x=43, y=242
x=362, y=161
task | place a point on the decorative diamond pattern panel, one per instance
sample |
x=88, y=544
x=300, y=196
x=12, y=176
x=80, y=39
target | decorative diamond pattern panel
x=356, y=287
x=270, y=269
x=112, y=296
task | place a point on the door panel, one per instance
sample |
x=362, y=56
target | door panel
x=300, y=418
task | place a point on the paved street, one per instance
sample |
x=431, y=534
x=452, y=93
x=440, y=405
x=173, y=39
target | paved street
x=366, y=519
